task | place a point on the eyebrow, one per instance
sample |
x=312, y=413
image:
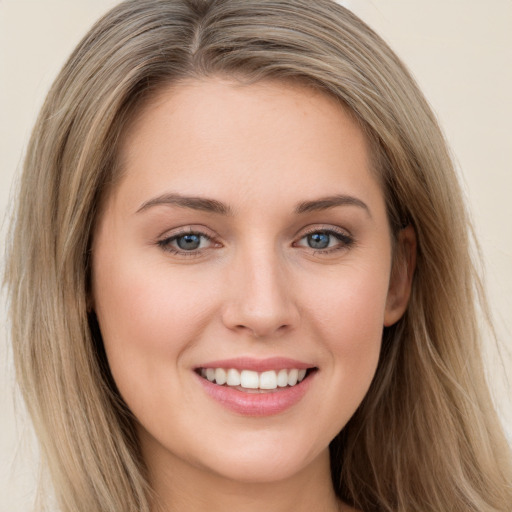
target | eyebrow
x=214, y=206
x=192, y=202
x=325, y=203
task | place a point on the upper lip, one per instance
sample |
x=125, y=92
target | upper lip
x=258, y=365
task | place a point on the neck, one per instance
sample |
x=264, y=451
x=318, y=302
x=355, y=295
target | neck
x=183, y=487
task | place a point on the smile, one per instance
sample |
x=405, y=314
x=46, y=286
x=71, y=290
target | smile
x=250, y=380
x=253, y=388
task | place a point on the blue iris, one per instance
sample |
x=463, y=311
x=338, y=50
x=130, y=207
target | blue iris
x=319, y=240
x=189, y=242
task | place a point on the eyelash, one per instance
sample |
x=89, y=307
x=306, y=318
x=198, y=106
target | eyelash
x=346, y=241
x=165, y=243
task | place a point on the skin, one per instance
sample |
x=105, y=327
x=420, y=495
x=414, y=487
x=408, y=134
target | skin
x=254, y=287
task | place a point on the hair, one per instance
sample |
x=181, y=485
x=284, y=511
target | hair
x=426, y=437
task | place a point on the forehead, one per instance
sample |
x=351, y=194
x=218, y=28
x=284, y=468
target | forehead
x=219, y=137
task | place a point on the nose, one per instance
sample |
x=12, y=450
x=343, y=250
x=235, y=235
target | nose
x=261, y=300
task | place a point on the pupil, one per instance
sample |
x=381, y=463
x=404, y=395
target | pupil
x=189, y=242
x=318, y=240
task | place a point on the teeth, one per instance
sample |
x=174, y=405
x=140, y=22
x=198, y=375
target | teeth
x=220, y=376
x=253, y=380
x=268, y=380
x=249, y=379
x=233, y=378
x=282, y=378
x=293, y=375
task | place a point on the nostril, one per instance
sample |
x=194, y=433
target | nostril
x=261, y=330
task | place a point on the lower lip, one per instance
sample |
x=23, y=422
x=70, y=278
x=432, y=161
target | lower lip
x=257, y=404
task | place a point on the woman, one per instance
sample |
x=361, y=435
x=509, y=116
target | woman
x=245, y=279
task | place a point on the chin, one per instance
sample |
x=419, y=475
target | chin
x=264, y=461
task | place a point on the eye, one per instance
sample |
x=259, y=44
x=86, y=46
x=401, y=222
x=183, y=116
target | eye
x=326, y=240
x=319, y=240
x=188, y=243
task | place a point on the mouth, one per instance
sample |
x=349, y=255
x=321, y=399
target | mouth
x=251, y=381
x=255, y=387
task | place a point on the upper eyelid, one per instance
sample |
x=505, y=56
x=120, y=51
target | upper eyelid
x=186, y=230
x=323, y=228
x=172, y=238
x=179, y=235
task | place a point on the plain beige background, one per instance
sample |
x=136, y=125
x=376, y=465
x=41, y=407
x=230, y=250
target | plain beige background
x=461, y=54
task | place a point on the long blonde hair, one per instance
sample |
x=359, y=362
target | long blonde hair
x=426, y=437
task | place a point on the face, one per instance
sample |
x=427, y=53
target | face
x=247, y=241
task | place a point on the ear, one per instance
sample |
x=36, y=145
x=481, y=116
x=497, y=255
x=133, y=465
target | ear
x=400, y=282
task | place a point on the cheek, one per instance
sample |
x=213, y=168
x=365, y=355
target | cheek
x=349, y=308
x=148, y=299
x=348, y=316
x=148, y=316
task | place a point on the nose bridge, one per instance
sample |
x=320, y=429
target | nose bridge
x=260, y=300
